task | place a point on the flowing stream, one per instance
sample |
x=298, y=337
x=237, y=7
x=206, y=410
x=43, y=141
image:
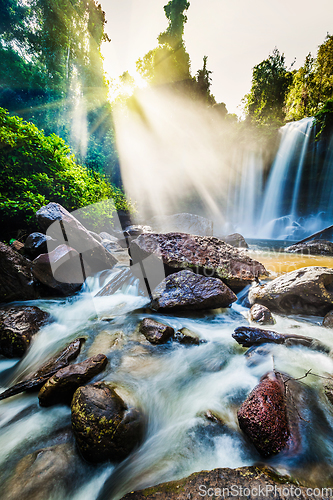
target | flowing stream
x=174, y=385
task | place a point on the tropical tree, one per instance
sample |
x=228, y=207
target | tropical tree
x=270, y=82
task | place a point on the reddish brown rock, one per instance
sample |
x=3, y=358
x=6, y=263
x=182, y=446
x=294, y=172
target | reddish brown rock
x=17, y=327
x=205, y=255
x=16, y=279
x=185, y=290
x=59, y=389
x=263, y=416
x=155, y=332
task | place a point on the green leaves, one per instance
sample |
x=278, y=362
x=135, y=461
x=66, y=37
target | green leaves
x=36, y=169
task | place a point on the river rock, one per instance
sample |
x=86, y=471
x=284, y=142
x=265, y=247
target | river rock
x=16, y=279
x=328, y=388
x=44, y=474
x=235, y=240
x=183, y=223
x=308, y=290
x=261, y=314
x=205, y=255
x=59, y=389
x=328, y=320
x=185, y=290
x=34, y=381
x=263, y=416
x=65, y=228
x=60, y=270
x=155, y=332
x=240, y=483
x=314, y=247
x=187, y=337
x=17, y=327
x=36, y=244
x=17, y=246
x=105, y=428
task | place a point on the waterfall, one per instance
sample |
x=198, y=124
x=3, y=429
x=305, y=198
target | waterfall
x=279, y=215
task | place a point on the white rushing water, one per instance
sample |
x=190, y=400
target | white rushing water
x=174, y=386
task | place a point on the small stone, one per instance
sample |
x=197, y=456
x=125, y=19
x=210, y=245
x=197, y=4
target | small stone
x=155, y=332
x=186, y=336
x=261, y=314
x=328, y=320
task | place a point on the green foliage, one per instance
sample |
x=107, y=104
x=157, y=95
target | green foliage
x=270, y=82
x=204, y=80
x=36, y=169
x=324, y=118
x=312, y=84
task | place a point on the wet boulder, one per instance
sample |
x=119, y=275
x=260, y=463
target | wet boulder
x=59, y=389
x=17, y=246
x=314, y=247
x=58, y=223
x=205, y=255
x=60, y=270
x=308, y=290
x=34, y=381
x=187, y=337
x=235, y=240
x=105, y=428
x=17, y=327
x=261, y=314
x=16, y=279
x=186, y=290
x=263, y=416
x=155, y=332
x=240, y=483
x=45, y=473
x=328, y=320
x=328, y=388
x=36, y=244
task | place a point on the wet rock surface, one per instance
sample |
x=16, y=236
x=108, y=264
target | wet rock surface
x=59, y=389
x=186, y=290
x=314, y=247
x=205, y=255
x=249, y=336
x=261, y=314
x=187, y=337
x=59, y=270
x=105, y=428
x=34, y=381
x=263, y=416
x=155, y=332
x=36, y=244
x=65, y=228
x=17, y=327
x=308, y=290
x=16, y=279
x=45, y=473
x=328, y=320
x=240, y=483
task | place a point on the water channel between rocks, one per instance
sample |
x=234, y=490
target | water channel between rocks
x=173, y=384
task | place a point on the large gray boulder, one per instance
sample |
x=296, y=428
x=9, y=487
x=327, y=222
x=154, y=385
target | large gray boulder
x=105, y=428
x=16, y=279
x=186, y=290
x=205, y=255
x=308, y=290
x=58, y=223
x=183, y=223
x=17, y=327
